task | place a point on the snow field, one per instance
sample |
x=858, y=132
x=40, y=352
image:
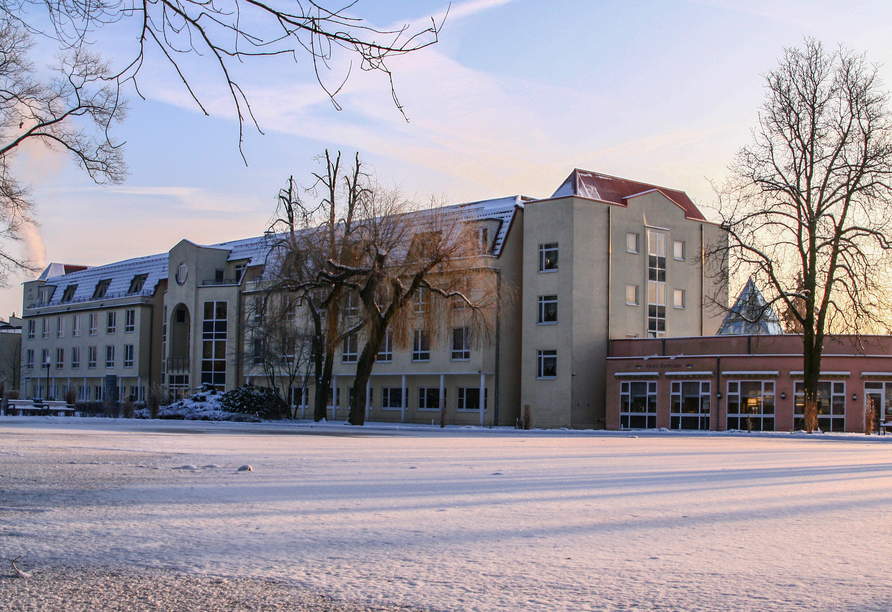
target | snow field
x=462, y=519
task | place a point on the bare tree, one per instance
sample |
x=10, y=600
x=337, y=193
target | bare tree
x=363, y=257
x=808, y=204
x=73, y=112
x=195, y=36
x=281, y=342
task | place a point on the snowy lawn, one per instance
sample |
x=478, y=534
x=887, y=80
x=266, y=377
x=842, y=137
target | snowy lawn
x=464, y=519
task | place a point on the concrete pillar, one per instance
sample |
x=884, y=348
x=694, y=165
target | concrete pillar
x=482, y=397
x=405, y=398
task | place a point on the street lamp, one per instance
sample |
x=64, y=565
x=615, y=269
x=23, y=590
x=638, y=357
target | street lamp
x=46, y=364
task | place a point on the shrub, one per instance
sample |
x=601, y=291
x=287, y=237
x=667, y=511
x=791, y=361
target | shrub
x=155, y=395
x=257, y=401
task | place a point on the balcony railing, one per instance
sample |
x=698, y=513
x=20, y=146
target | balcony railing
x=219, y=281
x=177, y=365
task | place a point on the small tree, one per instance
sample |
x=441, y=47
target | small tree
x=808, y=205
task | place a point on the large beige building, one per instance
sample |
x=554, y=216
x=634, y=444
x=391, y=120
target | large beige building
x=602, y=258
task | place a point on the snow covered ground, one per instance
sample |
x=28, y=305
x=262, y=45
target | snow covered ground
x=462, y=519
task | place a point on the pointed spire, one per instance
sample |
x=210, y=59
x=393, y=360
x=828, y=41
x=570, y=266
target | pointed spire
x=751, y=315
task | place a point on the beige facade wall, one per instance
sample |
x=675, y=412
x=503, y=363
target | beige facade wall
x=596, y=266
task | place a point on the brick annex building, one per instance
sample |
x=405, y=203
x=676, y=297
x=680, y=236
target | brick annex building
x=603, y=272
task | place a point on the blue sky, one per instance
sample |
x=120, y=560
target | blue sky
x=514, y=96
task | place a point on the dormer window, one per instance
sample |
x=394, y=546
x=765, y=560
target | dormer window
x=45, y=294
x=69, y=293
x=101, y=289
x=137, y=282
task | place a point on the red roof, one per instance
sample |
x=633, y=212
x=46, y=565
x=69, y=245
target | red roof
x=585, y=184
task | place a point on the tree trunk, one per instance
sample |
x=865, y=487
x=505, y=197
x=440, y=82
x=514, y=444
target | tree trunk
x=377, y=331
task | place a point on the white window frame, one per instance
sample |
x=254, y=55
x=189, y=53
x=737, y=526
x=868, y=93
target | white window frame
x=633, y=242
x=350, y=349
x=129, y=320
x=835, y=402
x=391, y=398
x=92, y=357
x=632, y=413
x=60, y=327
x=759, y=414
x=385, y=351
x=94, y=323
x=461, y=344
x=421, y=345
x=678, y=250
x=60, y=357
x=109, y=355
x=542, y=359
x=32, y=329
x=428, y=398
x=128, y=355
x=547, y=265
x=46, y=329
x=632, y=300
x=543, y=314
x=463, y=399
x=678, y=299
x=76, y=326
x=111, y=322
x=75, y=357
x=29, y=359
x=687, y=394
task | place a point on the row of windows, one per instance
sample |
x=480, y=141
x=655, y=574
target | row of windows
x=421, y=346
x=633, y=245
x=84, y=392
x=75, y=353
x=632, y=298
x=751, y=404
x=548, y=252
x=111, y=324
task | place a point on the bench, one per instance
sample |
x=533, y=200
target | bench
x=37, y=408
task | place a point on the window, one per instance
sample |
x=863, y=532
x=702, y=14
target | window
x=483, y=237
x=632, y=295
x=60, y=358
x=32, y=324
x=214, y=331
x=259, y=305
x=351, y=349
x=29, y=359
x=546, y=364
x=469, y=398
x=99, y=390
x=258, y=350
x=45, y=358
x=46, y=329
x=219, y=276
x=94, y=323
x=137, y=282
x=421, y=346
x=239, y=273
x=831, y=406
x=76, y=325
x=385, y=351
x=60, y=327
x=678, y=250
x=75, y=357
x=678, y=298
x=101, y=289
x=428, y=398
x=421, y=300
x=690, y=405
x=129, y=320
x=351, y=304
x=751, y=405
x=391, y=397
x=45, y=294
x=548, y=309
x=69, y=293
x=91, y=356
x=109, y=356
x=637, y=404
x=878, y=396
x=111, y=322
x=632, y=245
x=656, y=285
x=461, y=343
x=548, y=257
x=128, y=355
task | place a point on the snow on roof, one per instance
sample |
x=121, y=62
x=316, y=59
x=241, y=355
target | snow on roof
x=155, y=267
x=595, y=186
x=120, y=275
x=751, y=315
